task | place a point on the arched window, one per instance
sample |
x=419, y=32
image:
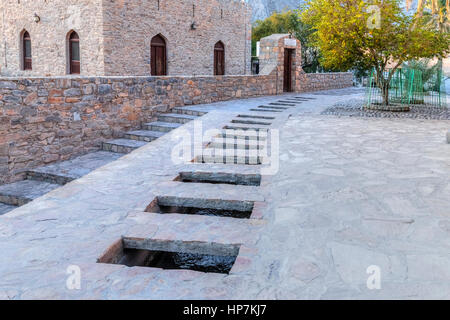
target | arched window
x=219, y=59
x=158, y=56
x=74, y=53
x=26, y=51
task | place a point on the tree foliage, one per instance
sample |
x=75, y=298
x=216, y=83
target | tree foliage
x=353, y=33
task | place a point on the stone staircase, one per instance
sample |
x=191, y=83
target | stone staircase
x=44, y=179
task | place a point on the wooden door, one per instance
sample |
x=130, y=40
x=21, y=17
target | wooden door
x=158, y=57
x=287, y=82
x=219, y=59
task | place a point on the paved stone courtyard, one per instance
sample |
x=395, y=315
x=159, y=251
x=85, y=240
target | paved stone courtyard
x=355, y=108
x=350, y=193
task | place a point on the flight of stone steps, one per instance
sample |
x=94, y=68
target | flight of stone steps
x=44, y=179
x=244, y=140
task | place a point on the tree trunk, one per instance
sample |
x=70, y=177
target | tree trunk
x=447, y=7
x=383, y=85
x=420, y=5
x=434, y=7
x=385, y=92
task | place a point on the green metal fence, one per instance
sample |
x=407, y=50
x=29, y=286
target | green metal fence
x=409, y=87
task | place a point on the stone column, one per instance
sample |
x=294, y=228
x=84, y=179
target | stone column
x=271, y=58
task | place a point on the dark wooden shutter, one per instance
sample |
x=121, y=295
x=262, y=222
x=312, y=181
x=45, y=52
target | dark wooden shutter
x=27, y=56
x=158, y=56
x=74, y=53
x=219, y=59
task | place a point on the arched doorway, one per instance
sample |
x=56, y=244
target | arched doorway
x=219, y=59
x=74, y=53
x=158, y=56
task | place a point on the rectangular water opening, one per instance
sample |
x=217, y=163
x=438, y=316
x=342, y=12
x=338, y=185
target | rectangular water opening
x=249, y=116
x=247, y=127
x=242, y=179
x=282, y=104
x=291, y=101
x=172, y=255
x=306, y=98
x=262, y=110
x=203, y=207
x=273, y=107
x=251, y=122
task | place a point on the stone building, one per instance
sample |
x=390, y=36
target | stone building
x=124, y=37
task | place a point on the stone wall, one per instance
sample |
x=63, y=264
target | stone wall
x=43, y=120
x=49, y=35
x=115, y=35
x=308, y=82
x=189, y=52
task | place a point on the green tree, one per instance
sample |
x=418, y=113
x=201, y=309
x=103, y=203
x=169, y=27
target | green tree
x=352, y=33
x=288, y=22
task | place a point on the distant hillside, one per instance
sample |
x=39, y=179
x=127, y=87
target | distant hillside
x=264, y=8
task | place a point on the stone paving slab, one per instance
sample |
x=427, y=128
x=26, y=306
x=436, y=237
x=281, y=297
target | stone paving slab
x=22, y=192
x=205, y=191
x=128, y=143
x=225, y=168
x=66, y=171
x=144, y=135
x=122, y=145
x=176, y=117
x=167, y=126
x=4, y=208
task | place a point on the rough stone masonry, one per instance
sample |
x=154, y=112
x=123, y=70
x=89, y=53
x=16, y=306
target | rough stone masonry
x=49, y=119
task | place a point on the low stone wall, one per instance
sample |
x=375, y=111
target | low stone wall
x=43, y=120
x=324, y=81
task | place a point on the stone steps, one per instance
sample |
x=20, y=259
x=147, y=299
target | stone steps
x=161, y=126
x=251, y=121
x=143, y=135
x=189, y=112
x=132, y=140
x=243, y=134
x=122, y=145
x=177, y=193
x=265, y=110
x=66, y=171
x=244, y=160
x=290, y=102
x=231, y=143
x=175, y=118
x=44, y=179
x=5, y=208
x=272, y=108
x=255, y=116
x=22, y=192
x=282, y=104
x=246, y=127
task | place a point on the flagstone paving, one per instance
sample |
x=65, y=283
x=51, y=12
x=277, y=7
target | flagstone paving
x=350, y=193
